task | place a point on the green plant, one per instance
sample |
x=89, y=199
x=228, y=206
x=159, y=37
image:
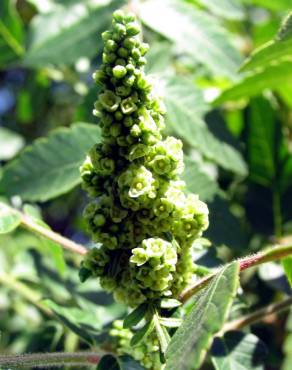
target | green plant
x=179, y=302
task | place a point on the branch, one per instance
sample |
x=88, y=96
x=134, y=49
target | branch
x=270, y=254
x=47, y=360
x=257, y=316
x=30, y=224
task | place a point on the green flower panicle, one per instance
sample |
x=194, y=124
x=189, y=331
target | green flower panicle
x=140, y=216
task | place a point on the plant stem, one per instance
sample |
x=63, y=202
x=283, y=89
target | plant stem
x=258, y=315
x=47, y=360
x=268, y=255
x=33, y=226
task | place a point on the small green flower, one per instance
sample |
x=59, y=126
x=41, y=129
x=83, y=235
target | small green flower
x=109, y=101
x=128, y=106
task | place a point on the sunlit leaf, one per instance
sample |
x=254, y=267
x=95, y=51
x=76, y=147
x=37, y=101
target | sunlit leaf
x=270, y=78
x=189, y=344
x=185, y=110
x=273, y=51
x=194, y=32
x=50, y=166
x=9, y=219
x=10, y=143
x=65, y=28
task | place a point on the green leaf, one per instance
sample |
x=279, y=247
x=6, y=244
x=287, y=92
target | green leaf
x=185, y=108
x=194, y=32
x=50, y=166
x=11, y=33
x=273, y=51
x=287, y=264
x=135, y=316
x=270, y=78
x=84, y=323
x=287, y=365
x=71, y=32
x=162, y=334
x=198, y=181
x=127, y=363
x=238, y=350
x=108, y=362
x=9, y=219
x=191, y=341
x=10, y=143
x=159, y=57
x=225, y=228
x=261, y=141
x=230, y=9
x=142, y=333
x=271, y=4
x=170, y=303
x=170, y=322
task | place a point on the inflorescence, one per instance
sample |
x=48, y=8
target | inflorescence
x=140, y=217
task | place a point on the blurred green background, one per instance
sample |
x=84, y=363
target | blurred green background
x=237, y=143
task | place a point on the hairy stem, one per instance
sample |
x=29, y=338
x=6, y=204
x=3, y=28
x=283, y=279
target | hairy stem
x=270, y=254
x=257, y=316
x=47, y=360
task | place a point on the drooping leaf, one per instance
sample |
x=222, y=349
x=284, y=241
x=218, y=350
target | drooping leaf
x=142, y=333
x=189, y=344
x=162, y=334
x=50, y=166
x=273, y=51
x=237, y=350
x=135, y=316
x=185, y=108
x=71, y=33
x=11, y=33
x=194, y=32
x=270, y=78
x=9, y=219
x=10, y=143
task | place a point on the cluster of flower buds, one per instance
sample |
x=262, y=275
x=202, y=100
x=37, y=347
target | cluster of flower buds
x=146, y=351
x=140, y=217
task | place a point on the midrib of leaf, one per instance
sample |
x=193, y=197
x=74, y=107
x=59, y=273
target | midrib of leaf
x=10, y=39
